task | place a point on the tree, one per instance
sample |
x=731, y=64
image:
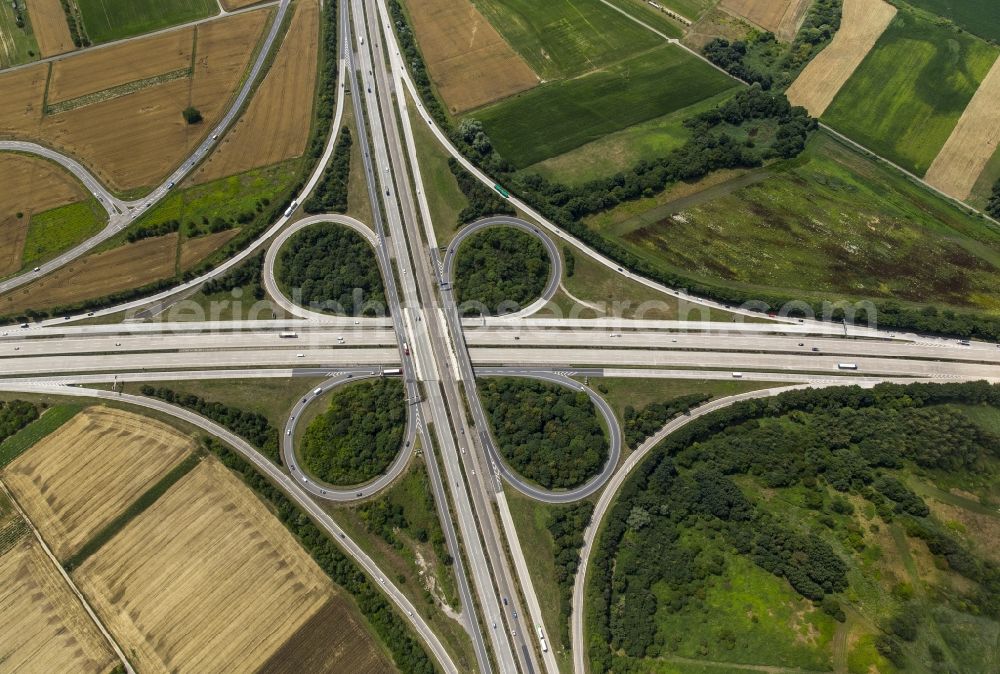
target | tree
x=192, y=115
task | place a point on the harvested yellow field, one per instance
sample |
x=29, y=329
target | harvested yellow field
x=862, y=24
x=134, y=140
x=48, y=22
x=781, y=17
x=275, y=126
x=97, y=275
x=196, y=250
x=204, y=580
x=119, y=64
x=79, y=478
x=972, y=143
x=44, y=627
x=31, y=185
x=23, y=100
x=223, y=55
x=467, y=59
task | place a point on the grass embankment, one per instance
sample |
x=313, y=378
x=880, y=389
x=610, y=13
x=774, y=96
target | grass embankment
x=59, y=229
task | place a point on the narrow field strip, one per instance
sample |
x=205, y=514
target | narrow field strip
x=862, y=24
x=116, y=92
x=16, y=444
x=971, y=145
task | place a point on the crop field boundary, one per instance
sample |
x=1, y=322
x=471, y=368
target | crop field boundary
x=24, y=439
x=136, y=508
x=117, y=91
x=69, y=581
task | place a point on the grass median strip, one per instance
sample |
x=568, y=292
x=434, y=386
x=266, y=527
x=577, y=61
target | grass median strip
x=138, y=507
x=15, y=445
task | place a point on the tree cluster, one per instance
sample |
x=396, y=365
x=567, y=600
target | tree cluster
x=253, y=427
x=846, y=439
x=482, y=200
x=500, y=269
x=192, y=115
x=763, y=60
x=148, y=232
x=15, y=415
x=384, y=518
x=245, y=275
x=330, y=194
x=993, y=205
x=326, y=90
x=642, y=424
x=392, y=629
x=357, y=438
x=546, y=432
x=567, y=526
x=334, y=268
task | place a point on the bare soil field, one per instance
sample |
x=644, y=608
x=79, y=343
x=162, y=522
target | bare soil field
x=332, y=641
x=781, y=17
x=971, y=145
x=48, y=22
x=96, y=275
x=230, y=5
x=468, y=60
x=44, y=627
x=79, y=478
x=716, y=23
x=121, y=63
x=862, y=23
x=23, y=101
x=30, y=185
x=204, y=580
x=276, y=124
x=134, y=140
x=195, y=250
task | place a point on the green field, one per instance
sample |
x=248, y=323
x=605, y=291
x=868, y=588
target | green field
x=554, y=118
x=828, y=222
x=564, y=38
x=976, y=16
x=746, y=545
x=905, y=98
x=107, y=20
x=656, y=19
x=17, y=45
x=59, y=229
x=623, y=149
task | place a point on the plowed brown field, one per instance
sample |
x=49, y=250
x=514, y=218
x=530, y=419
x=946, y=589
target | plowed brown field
x=204, y=580
x=781, y=17
x=862, y=24
x=76, y=480
x=48, y=22
x=44, y=627
x=197, y=249
x=275, y=126
x=468, y=60
x=23, y=100
x=971, y=145
x=121, y=63
x=30, y=185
